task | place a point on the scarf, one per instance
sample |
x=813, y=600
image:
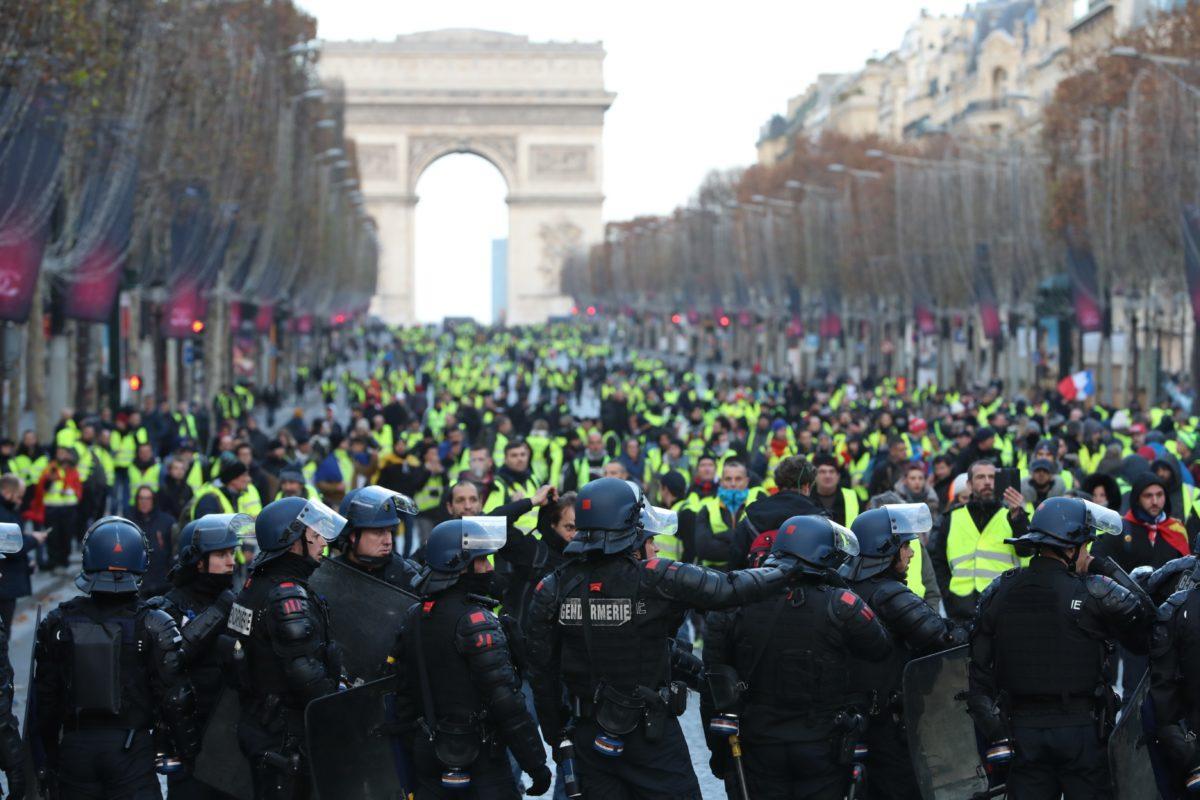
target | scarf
x=1169, y=528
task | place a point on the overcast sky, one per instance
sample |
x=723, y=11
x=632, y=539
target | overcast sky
x=694, y=83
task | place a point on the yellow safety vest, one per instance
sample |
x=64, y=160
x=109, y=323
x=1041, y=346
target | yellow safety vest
x=912, y=578
x=147, y=477
x=976, y=559
x=250, y=501
x=850, y=501
x=670, y=546
x=430, y=495
x=502, y=493
x=204, y=491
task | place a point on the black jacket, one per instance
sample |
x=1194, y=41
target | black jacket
x=761, y=516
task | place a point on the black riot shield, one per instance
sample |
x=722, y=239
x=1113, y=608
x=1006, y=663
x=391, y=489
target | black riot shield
x=364, y=615
x=354, y=754
x=941, y=736
x=1128, y=759
x=221, y=763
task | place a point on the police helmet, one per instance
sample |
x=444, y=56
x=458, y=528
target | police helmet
x=282, y=523
x=1068, y=522
x=882, y=532
x=115, y=557
x=373, y=507
x=811, y=545
x=211, y=533
x=608, y=513
x=453, y=545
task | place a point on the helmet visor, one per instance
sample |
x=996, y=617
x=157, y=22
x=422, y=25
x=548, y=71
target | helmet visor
x=242, y=525
x=1102, y=518
x=372, y=498
x=844, y=540
x=11, y=539
x=909, y=519
x=659, y=521
x=322, y=519
x=486, y=534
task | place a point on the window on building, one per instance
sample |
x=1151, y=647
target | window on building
x=999, y=83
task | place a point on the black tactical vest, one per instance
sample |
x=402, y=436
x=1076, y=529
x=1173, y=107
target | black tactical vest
x=1041, y=652
x=108, y=683
x=455, y=699
x=624, y=645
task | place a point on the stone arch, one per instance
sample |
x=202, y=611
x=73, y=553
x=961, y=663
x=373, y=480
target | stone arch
x=499, y=151
x=534, y=110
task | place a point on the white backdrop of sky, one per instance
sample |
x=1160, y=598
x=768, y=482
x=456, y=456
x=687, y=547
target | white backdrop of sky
x=694, y=83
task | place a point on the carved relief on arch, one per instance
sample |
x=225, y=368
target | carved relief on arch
x=500, y=150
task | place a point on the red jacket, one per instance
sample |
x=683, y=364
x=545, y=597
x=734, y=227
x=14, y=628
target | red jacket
x=69, y=477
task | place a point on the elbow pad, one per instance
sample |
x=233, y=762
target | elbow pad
x=201, y=632
x=911, y=619
x=1115, y=601
x=166, y=643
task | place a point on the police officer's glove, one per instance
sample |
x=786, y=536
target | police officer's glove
x=12, y=760
x=542, y=779
x=1101, y=566
x=16, y=783
x=718, y=762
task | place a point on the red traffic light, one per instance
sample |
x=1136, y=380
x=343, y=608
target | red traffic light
x=135, y=383
x=574, y=311
x=676, y=318
x=724, y=320
x=197, y=326
x=591, y=310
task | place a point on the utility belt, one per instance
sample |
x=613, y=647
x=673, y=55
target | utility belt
x=618, y=713
x=1030, y=704
x=104, y=722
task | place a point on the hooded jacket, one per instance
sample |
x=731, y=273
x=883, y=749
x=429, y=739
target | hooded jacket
x=765, y=514
x=1143, y=541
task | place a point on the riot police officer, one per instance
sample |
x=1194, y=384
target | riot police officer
x=199, y=601
x=109, y=671
x=367, y=543
x=614, y=657
x=801, y=714
x=1038, y=692
x=460, y=692
x=1174, y=712
x=283, y=656
x=12, y=753
x=877, y=575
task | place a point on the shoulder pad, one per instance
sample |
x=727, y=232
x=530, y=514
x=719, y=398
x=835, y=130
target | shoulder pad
x=287, y=590
x=288, y=600
x=844, y=605
x=479, y=630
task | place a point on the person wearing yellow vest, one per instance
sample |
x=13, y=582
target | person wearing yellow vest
x=222, y=495
x=292, y=484
x=969, y=550
x=889, y=546
x=840, y=503
x=57, y=497
x=513, y=481
x=754, y=532
x=144, y=470
x=716, y=517
x=428, y=483
x=672, y=495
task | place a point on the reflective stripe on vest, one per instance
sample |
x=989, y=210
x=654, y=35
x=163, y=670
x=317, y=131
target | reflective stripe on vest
x=976, y=559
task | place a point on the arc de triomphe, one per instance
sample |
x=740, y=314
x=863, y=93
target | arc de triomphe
x=533, y=109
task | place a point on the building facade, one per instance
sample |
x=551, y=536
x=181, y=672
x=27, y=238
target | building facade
x=985, y=74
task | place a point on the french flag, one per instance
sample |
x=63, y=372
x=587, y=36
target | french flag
x=1078, y=386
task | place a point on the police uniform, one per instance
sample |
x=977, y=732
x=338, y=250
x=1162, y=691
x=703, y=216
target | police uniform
x=284, y=656
x=615, y=662
x=107, y=673
x=459, y=699
x=801, y=712
x=1038, y=652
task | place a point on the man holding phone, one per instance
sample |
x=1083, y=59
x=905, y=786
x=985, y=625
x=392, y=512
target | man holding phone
x=968, y=551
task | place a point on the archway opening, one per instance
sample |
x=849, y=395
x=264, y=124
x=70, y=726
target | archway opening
x=460, y=239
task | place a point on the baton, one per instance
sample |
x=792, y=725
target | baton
x=735, y=748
